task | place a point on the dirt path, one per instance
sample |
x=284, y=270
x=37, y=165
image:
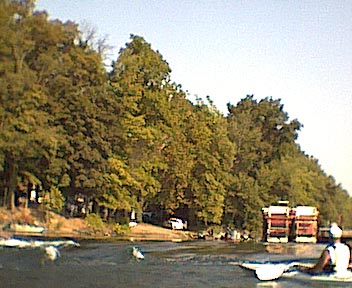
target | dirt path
x=150, y=232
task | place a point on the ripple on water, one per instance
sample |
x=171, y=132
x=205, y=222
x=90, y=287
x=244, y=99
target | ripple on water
x=193, y=264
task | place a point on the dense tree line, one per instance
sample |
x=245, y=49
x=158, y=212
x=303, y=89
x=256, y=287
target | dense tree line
x=128, y=138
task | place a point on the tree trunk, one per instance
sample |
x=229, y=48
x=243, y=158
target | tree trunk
x=11, y=204
x=4, y=199
x=10, y=175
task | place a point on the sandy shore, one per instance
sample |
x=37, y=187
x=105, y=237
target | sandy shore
x=151, y=232
x=60, y=226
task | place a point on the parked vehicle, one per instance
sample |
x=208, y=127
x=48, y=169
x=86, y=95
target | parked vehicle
x=177, y=224
x=149, y=217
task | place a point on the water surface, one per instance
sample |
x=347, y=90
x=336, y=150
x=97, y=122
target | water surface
x=166, y=264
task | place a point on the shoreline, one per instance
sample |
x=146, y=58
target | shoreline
x=168, y=236
x=77, y=228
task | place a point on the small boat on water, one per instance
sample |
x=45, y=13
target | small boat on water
x=25, y=228
x=14, y=242
x=19, y=242
x=274, y=271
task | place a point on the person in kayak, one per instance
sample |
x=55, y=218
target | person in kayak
x=335, y=257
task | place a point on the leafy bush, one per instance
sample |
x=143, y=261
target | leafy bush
x=94, y=222
x=121, y=229
x=54, y=199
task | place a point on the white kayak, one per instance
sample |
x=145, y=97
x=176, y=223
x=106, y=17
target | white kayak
x=332, y=277
x=272, y=271
x=32, y=243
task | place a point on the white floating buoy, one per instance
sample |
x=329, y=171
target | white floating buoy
x=52, y=253
x=137, y=253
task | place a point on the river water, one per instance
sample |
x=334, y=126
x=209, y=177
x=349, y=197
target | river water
x=166, y=264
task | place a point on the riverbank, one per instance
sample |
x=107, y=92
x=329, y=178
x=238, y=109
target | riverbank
x=59, y=226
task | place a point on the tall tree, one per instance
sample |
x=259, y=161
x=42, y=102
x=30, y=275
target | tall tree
x=213, y=162
x=262, y=134
x=78, y=95
x=176, y=150
x=137, y=80
x=24, y=134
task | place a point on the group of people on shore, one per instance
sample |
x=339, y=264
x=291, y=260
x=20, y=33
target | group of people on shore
x=228, y=234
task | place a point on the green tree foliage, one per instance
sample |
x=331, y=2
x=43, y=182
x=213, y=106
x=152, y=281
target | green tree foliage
x=213, y=160
x=119, y=184
x=73, y=76
x=137, y=79
x=130, y=139
x=262, y=135
x=26, y=139
x=175, y=150
x=53, y=199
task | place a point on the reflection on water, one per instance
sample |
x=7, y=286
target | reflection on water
x=295, y=249
x=166, y=264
